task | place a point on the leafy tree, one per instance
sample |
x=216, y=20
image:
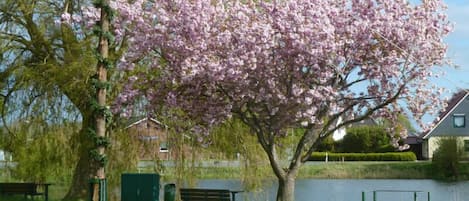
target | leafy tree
x=446, y=159
x=43, y=154
x=328, y=145
x=281, y=65
x=234, y=139
x=122, y=158
x=366, y=139
x=404, y=122
x=47, y=66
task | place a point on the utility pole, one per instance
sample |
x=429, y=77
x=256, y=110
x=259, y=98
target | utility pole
x=101, y=86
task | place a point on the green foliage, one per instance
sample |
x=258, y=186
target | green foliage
x=401, y=123
x=395, y=156
x=446, y=159
x=366, y=139
x=123, y=157
x=43, y=154
x=327, y=145
x=226, y=139
x=46, y=74
x=405, y=123
x=235, y=141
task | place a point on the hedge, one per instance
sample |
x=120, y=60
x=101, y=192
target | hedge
x=394, y=156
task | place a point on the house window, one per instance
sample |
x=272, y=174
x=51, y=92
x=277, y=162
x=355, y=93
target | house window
x=163, y=147
x=459, y=120
x=466, y=145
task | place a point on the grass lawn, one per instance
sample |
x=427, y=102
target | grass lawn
x=330, y=170
x=334, y=170
x=367, y=170
x=338, y=170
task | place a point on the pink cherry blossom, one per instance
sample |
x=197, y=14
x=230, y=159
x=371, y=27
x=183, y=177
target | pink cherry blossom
x=285, y=63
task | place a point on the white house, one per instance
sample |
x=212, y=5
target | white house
x=5, y=156
x=341, y=132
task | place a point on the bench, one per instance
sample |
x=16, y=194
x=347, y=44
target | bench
x=200, y=194
x=26, y=189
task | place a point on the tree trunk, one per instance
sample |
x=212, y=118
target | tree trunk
x=80, y=181
x=84, y=169
x=286, y=188
x=286, y=176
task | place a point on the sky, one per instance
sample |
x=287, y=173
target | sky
x=456, y=78
x=458, y=47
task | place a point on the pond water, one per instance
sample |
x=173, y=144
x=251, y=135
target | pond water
x=351, y=190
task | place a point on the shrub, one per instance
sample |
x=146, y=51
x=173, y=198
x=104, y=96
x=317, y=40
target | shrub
x=446, y=159
x=366, y=139
x=327, y=145
x=394, y=156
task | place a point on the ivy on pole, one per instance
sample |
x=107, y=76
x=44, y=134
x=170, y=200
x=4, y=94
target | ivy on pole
x=100, y=110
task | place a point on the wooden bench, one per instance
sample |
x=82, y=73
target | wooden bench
x=26, y=189
x=201, y=194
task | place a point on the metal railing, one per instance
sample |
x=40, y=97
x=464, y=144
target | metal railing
x=415, y=194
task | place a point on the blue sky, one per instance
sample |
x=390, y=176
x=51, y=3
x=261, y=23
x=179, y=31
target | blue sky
x=457, y=78
x=458, y=42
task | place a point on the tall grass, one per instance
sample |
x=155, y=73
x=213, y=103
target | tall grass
x=367, y=170
x=330, y=170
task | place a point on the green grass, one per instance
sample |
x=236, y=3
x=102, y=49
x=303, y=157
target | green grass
x=16, y=198
x=367, y=170
x=335, y=170
x=330, y=170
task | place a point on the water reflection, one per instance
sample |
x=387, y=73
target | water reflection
x=351, y=190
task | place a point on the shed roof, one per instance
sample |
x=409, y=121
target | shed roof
x=138, y=120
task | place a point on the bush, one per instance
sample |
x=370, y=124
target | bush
x=366, y=139
x=446, y=159
x=327, y=145
x=394, y=156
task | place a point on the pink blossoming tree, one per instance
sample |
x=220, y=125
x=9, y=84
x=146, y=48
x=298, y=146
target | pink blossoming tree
x=285, y=64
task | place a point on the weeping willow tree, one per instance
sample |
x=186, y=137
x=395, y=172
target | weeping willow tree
x=42, y=153
x=122, y=158
x=236, y=142
x=183, y=149
x=47, y=66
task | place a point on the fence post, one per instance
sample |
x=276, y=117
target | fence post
x=428, y=196
x=415, y=196
x=363, y=195
x=374, y=195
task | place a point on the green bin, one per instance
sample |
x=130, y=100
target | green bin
x=169, y=192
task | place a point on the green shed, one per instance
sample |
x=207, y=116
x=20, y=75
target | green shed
x=140, y=187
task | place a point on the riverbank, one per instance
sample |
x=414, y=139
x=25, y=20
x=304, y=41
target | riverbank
x=337, y=170
x=367, y=170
